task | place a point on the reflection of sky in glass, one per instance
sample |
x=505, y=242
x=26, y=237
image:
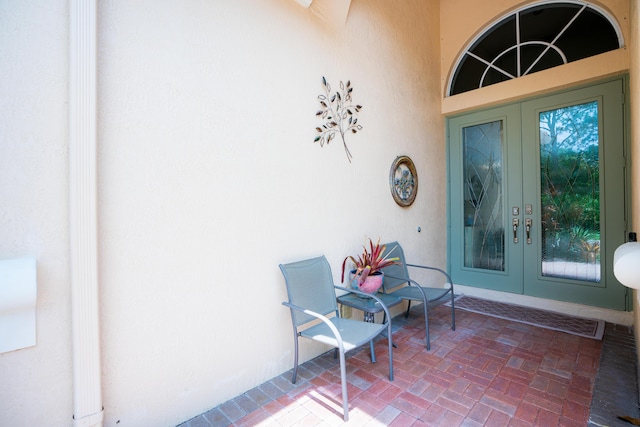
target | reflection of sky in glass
x=574, y=128
x=482, y=146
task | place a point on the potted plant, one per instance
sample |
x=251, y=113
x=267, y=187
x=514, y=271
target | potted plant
x=365, y=274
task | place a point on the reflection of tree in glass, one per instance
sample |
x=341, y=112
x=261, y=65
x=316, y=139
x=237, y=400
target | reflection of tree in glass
x=570, y=190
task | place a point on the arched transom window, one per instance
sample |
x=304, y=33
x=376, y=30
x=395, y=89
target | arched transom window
x=534, y=38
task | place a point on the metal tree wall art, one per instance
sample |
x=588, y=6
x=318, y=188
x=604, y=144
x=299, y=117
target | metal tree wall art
x=338, y=113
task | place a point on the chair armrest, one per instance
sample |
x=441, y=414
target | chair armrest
x=383, y=305
x=405, y=279
x=324, y=319
x=449, y=281
x=411, y=282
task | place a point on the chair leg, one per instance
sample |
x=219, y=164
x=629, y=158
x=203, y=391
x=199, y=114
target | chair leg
x=406, y=315
x=384, y=320
x=343, y=379
x=373, y=352
x=295, y=360
x=426, y=324
x=391, y=345
x=453, y=314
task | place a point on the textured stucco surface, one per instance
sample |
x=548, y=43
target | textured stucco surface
x=208, y=179
x=36, y=381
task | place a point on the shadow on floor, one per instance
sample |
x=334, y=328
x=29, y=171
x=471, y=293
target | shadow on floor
x=510, y=372
x=616, y=387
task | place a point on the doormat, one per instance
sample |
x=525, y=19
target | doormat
x=584, y=327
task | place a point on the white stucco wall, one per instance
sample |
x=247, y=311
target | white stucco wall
x=634, y=87
x=36, y=381
x=208, y=179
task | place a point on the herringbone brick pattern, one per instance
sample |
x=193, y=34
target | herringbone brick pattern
x=488, y=372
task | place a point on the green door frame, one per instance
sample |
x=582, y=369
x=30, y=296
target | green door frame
x=521, y=274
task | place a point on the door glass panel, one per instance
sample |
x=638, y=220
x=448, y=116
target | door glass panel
x=482, y=181
x=570, y=192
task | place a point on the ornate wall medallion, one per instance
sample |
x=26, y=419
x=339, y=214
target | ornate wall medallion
x=403, y=180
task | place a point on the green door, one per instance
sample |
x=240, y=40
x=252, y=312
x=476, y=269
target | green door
x=536, y=196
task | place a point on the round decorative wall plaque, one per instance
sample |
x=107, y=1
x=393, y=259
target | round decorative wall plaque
x=403, y=180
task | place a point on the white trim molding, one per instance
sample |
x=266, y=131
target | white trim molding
x=87, y=390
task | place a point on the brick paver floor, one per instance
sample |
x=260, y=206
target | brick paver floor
x=488, y=372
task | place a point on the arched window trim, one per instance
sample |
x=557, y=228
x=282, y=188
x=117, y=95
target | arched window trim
x=488, y=28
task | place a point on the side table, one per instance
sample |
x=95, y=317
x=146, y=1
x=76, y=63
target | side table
x=369, y=305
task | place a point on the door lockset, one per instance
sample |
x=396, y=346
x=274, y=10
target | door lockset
x=528, y=222
x=516, y=223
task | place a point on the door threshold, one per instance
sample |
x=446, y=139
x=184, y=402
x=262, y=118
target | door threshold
x=617, y=317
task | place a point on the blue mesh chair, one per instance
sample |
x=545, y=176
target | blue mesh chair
x=312, y=297
x=398, y=274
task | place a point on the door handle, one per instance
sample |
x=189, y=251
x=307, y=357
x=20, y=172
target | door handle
x=528, y=222
x=516, y=223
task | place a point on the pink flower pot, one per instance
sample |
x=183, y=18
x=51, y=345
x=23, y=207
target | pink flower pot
x=370, y=285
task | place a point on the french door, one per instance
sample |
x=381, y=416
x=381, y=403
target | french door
x=537, y=196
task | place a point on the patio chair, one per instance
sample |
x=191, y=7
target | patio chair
x=398, y=274
x=312, y=297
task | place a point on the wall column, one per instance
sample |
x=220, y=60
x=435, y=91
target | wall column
x=87, y=392
x=633, y=223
